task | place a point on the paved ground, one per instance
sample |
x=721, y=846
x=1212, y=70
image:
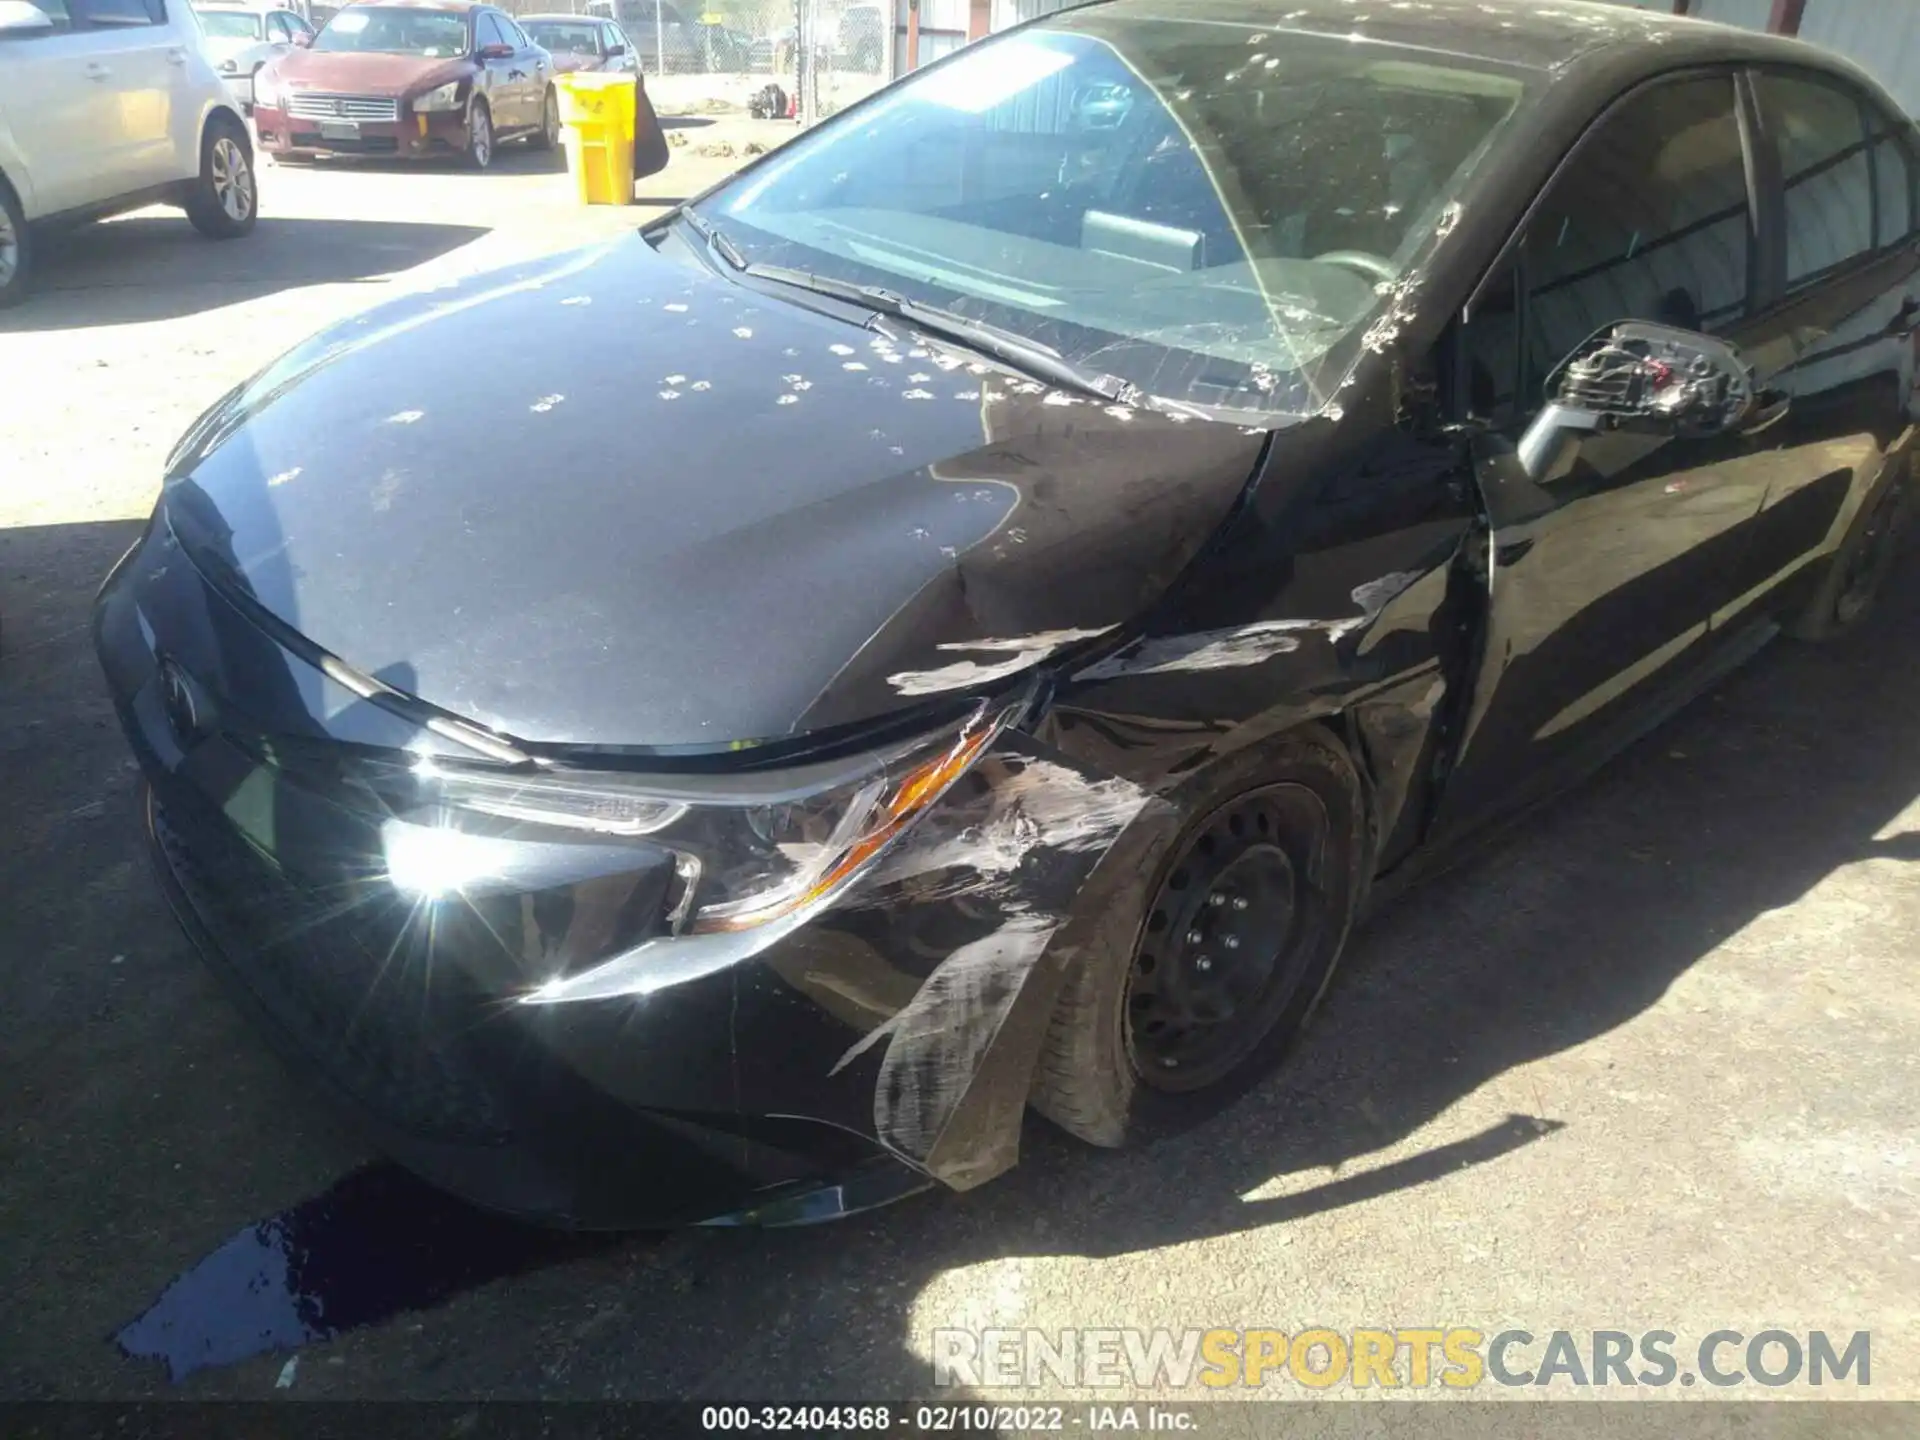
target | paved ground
x=1651, y=1064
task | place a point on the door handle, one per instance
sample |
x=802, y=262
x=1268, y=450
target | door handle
x=176, y=56
x=96, y=71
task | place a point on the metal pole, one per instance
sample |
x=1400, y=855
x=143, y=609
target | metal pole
x=804, y=75
x=659, y=39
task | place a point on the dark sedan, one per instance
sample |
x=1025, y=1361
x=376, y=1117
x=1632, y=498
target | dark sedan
x=1110, y=507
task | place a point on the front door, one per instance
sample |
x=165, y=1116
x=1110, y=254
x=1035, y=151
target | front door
x=497, y=72
x=1849, y=273
x=1606, y=571
x=529, y=74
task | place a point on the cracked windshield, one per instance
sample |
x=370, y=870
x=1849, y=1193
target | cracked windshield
x=1204, y=209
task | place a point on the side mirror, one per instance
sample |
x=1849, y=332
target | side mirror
x=1644, y=379
x=495, y=52
x=616, y=49
x=20, y=19
x=302, y=39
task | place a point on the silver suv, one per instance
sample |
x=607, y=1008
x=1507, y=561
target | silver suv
x=109, y=105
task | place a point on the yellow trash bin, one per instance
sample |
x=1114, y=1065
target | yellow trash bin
x=597, y=111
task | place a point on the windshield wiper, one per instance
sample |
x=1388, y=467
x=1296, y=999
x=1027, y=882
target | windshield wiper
x=716, y=242
x=1040, y=361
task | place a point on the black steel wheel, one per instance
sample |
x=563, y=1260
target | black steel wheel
x=1201, y=955
x=1229, y=938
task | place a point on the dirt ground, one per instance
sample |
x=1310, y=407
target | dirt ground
x=1652, y=1063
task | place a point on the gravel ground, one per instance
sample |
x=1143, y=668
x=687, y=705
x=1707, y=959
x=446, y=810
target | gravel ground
x=1650, y=1063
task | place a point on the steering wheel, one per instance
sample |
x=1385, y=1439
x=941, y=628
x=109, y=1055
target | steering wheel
x=1362, y=260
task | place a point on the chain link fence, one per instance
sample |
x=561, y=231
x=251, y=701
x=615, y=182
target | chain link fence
x=719, y=55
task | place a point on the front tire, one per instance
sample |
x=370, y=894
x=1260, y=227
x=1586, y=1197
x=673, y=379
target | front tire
x=16, y=249
x=224, y=200
x=1185, y=996
x=479, y=136
x=547, y=137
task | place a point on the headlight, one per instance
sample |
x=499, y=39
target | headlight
x=442, y=97
x=749, y=849
x=266, y=91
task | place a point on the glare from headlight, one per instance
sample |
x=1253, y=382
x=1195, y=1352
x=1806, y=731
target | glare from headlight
x=754, y=853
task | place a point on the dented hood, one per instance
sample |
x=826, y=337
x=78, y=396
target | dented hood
x=611, y=499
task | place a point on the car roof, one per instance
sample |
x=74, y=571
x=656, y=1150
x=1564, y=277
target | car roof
x=562, y=15
x=1544, y=35
x=458, y=6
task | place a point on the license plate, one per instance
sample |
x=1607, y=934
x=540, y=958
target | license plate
x=339, y=130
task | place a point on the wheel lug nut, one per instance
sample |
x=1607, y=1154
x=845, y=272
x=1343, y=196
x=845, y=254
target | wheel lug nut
x=1239, y=902
x=1202, y=962
x=1232, y=942
x=1194, y=937
x=1216, y=899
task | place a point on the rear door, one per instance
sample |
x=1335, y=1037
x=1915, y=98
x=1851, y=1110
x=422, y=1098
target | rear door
x=138, y=64
x=1607, y=572
x=1841, y=193
x=59, y=111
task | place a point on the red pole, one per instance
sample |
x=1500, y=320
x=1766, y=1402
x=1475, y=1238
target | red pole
x=1785, y=19
x=913, y=34
x=1680, y=7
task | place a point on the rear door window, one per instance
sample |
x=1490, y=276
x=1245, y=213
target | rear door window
x=1649, y=220
x=119, y=14
x=1826, y=180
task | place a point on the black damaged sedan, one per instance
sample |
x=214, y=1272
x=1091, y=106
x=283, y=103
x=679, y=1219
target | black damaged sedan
x=966, y=614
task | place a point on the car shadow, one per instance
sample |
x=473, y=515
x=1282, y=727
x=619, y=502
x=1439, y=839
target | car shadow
x=157, y=267
x=1573, y=924
x=684, y=122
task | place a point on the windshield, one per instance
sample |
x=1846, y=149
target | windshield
x=1206, y=209
x=228, y=24
x=561, y=35
x=373, y=29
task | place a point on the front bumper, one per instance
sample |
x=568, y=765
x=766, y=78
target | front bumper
x=411, y=137
x=890, y=1039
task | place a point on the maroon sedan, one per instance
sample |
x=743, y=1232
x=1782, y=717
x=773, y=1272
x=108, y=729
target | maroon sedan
x=409, y=78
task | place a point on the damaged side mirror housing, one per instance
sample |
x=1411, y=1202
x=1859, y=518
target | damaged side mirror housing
x=1644, y=379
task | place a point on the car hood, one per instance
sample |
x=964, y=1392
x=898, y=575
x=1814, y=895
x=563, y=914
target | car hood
x=611, y=499
x=349, y=73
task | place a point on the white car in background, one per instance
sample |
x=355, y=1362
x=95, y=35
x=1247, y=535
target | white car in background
x=242, y=38
x=109, y=105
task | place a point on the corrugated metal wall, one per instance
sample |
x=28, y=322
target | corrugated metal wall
x=1883, y=38
x=1750, y=13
